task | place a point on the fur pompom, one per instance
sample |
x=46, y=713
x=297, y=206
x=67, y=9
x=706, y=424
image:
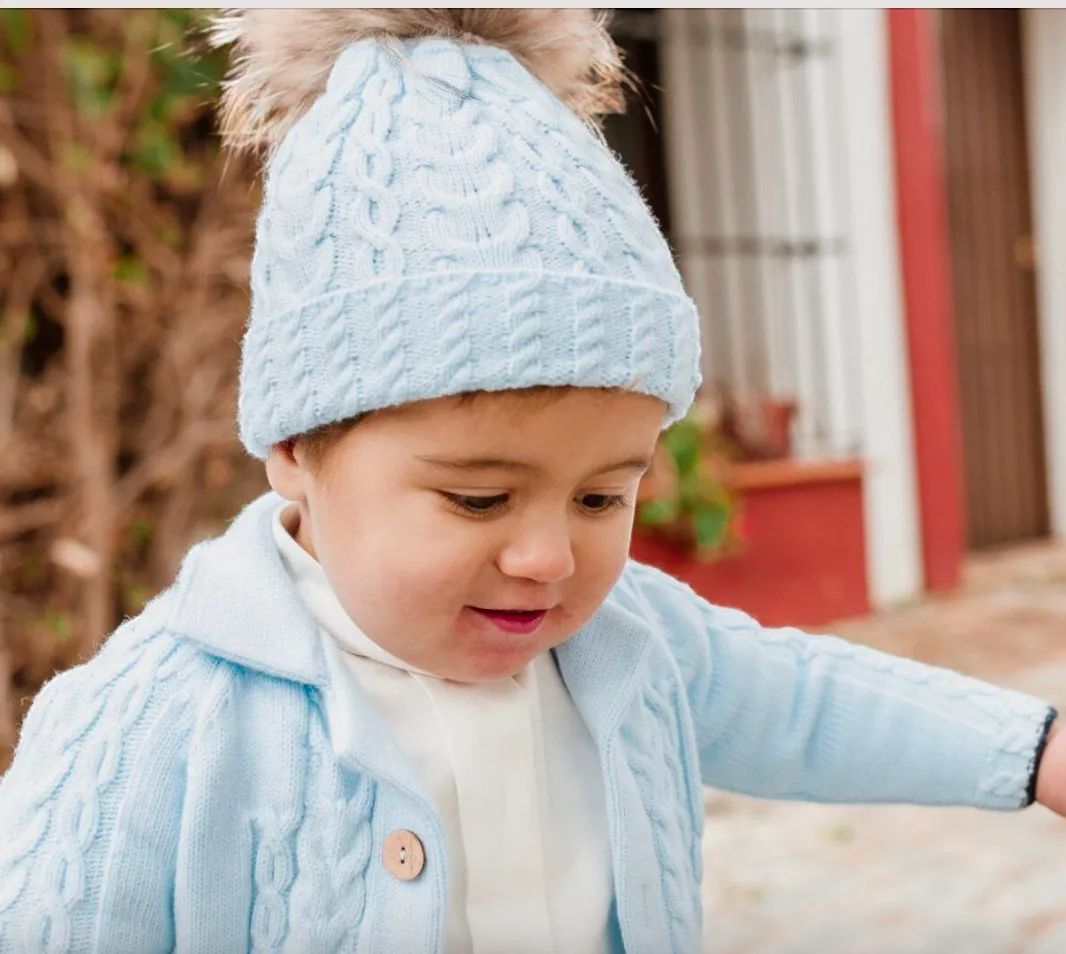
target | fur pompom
x=282, y=58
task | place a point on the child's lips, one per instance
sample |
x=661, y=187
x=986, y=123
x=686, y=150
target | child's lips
x=514, y=621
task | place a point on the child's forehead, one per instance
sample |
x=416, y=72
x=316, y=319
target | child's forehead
x=480, y=413
x=503, y=427
x=545, y=422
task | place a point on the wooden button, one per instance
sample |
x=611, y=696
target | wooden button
x=403, y=855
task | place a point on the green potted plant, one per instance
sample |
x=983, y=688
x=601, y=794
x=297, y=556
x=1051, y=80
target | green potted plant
x=684, y=498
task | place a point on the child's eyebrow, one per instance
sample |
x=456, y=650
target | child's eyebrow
x=500, y=463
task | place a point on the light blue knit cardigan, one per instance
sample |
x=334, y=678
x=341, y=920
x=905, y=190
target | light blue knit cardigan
x=213, y=780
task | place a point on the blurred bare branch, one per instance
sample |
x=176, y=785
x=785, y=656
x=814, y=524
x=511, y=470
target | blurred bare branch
x=124, y=247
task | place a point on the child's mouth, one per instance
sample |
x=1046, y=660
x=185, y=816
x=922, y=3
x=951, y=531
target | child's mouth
x=514, y=621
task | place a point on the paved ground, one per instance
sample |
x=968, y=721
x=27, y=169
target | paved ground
x=808, y=879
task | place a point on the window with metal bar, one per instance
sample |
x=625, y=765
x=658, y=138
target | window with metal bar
x=738, y=145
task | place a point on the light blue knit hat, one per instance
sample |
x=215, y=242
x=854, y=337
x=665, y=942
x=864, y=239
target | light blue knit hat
x=438, y=222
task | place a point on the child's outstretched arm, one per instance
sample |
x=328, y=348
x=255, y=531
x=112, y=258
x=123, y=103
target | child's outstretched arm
x=782, y=714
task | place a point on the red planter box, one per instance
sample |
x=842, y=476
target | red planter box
x=804, y=561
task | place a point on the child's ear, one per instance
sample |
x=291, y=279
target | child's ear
x=287, y=471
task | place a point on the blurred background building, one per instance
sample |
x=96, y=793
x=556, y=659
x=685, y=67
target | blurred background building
x=857, y=199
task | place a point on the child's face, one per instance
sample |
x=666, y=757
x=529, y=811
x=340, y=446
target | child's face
x=427, y=515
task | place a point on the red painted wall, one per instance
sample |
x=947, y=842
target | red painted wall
x=926, y=266
x=804, y=563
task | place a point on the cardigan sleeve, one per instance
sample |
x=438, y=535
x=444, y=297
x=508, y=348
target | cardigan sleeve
x=782, y=714
x=90, y=809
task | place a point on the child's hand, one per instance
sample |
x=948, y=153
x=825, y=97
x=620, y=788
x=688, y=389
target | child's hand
x=1051, y=777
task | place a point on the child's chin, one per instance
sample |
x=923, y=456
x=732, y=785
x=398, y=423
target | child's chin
x=492, y=666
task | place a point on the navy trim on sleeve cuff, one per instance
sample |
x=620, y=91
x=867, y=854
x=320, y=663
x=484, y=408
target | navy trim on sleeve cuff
x=1030, y=795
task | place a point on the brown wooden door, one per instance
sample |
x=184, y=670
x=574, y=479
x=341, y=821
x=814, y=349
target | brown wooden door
x=993, y=260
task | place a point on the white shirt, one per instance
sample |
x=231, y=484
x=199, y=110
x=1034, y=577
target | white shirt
x=515, y=776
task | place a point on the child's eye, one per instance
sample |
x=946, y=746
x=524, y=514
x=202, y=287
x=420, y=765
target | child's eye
x=602, y=503
x=478, y=506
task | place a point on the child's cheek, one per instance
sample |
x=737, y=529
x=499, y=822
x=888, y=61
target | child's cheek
x=420, y=585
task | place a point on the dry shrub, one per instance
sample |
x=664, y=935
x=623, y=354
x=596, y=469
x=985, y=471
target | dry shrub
x=124, y=249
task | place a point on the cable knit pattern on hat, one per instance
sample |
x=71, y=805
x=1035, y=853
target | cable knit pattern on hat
x=438, y=222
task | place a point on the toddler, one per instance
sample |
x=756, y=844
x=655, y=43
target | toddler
x=416, y=698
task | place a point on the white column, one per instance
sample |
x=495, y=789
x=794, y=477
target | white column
x=1044, y=48
x=824, y=76
x=891, y=504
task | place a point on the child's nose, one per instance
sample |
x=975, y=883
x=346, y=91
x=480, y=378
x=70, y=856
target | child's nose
x=543, y=553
